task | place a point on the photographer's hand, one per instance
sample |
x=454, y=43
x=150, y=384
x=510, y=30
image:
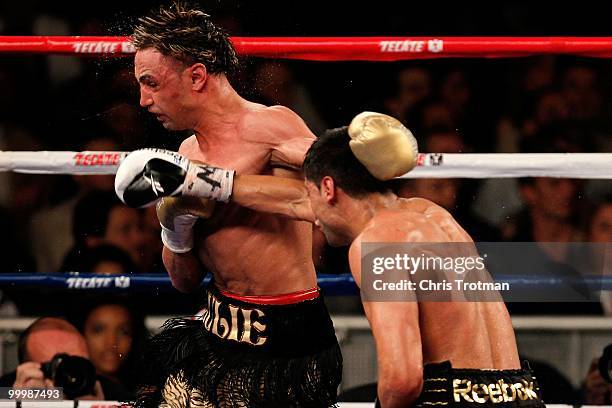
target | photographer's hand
x=29, y=375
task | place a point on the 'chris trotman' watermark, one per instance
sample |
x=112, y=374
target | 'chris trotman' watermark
x=444, y=285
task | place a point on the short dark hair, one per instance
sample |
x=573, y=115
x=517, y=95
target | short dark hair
x=188, y=35
x=331, y=155
x=86, y=259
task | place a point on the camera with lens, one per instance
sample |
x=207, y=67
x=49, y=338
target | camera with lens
x=76, y=375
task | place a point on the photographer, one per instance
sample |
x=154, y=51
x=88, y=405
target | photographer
x=51, y=350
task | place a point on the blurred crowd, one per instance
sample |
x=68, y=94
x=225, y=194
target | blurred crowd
x=75, y=223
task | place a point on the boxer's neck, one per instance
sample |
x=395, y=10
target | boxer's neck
x=220, y=107
x=361, y=211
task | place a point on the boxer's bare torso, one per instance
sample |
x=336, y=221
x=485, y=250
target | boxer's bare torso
x=469, y=334
x=249, y=252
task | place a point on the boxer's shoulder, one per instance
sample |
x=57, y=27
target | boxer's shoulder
x=273, y=124
x=189, y=146
x=434, y=222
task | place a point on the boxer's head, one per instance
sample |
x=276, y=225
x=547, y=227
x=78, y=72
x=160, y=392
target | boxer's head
x=177, y=49
x=335, y=179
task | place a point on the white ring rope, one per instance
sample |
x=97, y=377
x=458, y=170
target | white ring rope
x=429, y=165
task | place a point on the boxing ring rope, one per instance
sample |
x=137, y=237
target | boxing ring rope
x=341, y=284
x=429, y=165
x=337, y=48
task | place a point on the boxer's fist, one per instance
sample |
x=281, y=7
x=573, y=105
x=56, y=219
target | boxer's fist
x=177, y=216
x=383, y=145
x=147, y=175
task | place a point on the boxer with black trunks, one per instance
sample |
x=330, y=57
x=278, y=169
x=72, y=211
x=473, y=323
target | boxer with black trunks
x=265, y=337
x=459, y=353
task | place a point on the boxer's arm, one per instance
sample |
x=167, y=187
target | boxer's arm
x=185, y=270
x=290, y=138
x=395, y=326
x=396, y=330
x=276, y=195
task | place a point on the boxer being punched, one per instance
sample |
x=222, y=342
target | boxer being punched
x=429, y=353
x=266, y=338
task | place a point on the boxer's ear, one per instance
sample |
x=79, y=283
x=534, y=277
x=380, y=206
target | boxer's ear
x=328, y=189
x=199, y=74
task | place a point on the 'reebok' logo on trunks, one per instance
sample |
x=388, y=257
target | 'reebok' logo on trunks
x=235, y=323
x=493, y=393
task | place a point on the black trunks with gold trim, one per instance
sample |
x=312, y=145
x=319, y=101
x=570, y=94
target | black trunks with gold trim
x=245, y=351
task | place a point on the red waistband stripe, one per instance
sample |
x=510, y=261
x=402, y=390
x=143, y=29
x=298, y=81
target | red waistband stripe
x=286, y=299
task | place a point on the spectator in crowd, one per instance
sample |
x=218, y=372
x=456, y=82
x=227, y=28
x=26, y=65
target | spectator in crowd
x=412, y=86
x=275, y=84
x=431, y=114
x=99, y=217
x=456, y=94
x=581, y=90
x=39, y=343
x=596, y=391
x=544, y=219
x=600, y=231
x=115, y=334
x=103, y=259
x=57, y=221
x=600, y=225
x=446, y=192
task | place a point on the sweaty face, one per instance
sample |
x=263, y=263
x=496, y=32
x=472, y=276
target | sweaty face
x=326, y=217
x=108, y=333
x=164, y=88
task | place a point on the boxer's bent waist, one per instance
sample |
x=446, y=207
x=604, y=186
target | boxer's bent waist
x=457, y=387
x=289, y=325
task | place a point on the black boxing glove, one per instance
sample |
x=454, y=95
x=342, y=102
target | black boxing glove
x=147, y=175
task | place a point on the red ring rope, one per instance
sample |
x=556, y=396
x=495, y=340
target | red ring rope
x=339, y=48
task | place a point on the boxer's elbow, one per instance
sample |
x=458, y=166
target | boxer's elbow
x=183, y=285
x=399, y=389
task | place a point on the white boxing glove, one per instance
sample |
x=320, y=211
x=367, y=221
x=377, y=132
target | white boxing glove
x=147, y=175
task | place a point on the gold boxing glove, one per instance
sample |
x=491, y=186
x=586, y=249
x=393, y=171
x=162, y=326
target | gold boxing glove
x=177, y=216
x=383, y=145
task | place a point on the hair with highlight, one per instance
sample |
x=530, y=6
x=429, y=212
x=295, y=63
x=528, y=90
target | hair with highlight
x=188, y=35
